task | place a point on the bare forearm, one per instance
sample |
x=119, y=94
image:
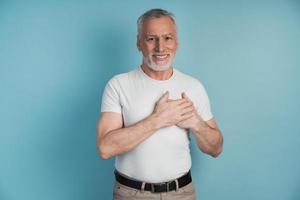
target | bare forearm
x=209, y=140
x=123, y=140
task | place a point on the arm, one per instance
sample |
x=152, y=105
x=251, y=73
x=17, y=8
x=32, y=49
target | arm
x=208, y=136
x=113, y=139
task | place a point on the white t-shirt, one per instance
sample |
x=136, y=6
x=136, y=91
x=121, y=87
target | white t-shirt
x=165, y=155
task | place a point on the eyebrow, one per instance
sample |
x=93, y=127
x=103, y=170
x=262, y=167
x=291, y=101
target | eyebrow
x=168, y=34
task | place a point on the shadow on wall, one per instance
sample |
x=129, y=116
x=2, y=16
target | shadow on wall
x=70, y=154
x=111, y=58
x=2, y=193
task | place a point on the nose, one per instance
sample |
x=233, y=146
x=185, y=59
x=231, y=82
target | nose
x=159, y=46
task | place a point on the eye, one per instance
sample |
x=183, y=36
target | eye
x=150, y=39
x=168, y=38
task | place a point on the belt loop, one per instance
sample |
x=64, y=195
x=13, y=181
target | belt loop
x=177, y=185
x=143, y=187
x=152, y=187
x=168, y=186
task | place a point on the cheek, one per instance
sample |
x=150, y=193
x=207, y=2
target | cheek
x=147, y=50
x=146, y=53
x=172, y=46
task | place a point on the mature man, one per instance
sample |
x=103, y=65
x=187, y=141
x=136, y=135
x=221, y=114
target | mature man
x=146, y=117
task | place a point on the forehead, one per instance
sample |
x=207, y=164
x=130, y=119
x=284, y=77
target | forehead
x=158, y=26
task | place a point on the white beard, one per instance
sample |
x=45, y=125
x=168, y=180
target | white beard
x=156, y=67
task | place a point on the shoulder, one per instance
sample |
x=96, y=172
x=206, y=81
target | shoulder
x=122, y=78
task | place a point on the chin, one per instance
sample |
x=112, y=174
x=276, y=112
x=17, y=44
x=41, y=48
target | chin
x=159, y=68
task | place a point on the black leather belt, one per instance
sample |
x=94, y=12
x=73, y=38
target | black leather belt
x=155, y=187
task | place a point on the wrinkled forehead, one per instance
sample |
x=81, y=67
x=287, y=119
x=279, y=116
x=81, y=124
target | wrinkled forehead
x=158, y=26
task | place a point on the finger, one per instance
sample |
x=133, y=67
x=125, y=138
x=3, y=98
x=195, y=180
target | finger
x=179, y=101
x=186, y=104
x=187, y=116
x=164, y=97
x=188, y=109
x=183, y=94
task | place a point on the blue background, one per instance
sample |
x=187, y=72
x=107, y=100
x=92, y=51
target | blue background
x=56, y=57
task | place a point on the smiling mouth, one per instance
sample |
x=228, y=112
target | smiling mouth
x=160, y=57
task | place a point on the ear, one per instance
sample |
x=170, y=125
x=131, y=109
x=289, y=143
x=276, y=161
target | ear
x=138, y=45
x=177, y=45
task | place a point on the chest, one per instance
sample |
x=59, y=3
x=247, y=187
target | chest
x=139, y=102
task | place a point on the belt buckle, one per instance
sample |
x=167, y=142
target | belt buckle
x=165, y=183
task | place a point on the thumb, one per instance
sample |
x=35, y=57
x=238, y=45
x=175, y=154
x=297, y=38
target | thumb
x=164, y=97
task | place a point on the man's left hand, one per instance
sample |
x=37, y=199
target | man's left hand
x=191, y=122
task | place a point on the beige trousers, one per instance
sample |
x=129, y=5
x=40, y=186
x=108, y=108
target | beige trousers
x=122, y=192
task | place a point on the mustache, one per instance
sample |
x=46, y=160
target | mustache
x=161, y=53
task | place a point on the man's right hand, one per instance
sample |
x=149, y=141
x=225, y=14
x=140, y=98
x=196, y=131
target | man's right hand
x=170, y=112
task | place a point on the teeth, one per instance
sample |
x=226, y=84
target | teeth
x=161, y=56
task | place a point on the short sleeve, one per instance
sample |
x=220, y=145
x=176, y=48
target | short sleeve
x=111, y=98
x=203, y=107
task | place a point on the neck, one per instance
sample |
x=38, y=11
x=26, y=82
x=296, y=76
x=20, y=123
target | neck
x=157, y=75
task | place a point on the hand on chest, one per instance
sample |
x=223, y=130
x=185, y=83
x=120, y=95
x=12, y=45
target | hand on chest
x=140, y=104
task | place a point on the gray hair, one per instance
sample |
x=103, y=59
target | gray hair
x=154, y=13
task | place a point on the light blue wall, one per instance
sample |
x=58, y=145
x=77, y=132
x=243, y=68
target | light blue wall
x=56, y=57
